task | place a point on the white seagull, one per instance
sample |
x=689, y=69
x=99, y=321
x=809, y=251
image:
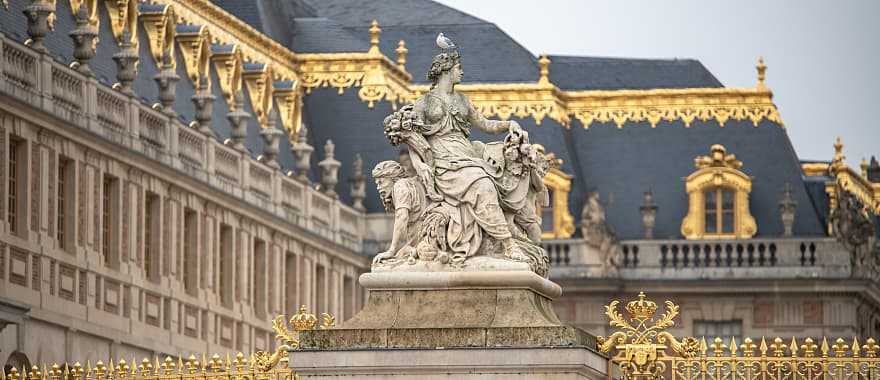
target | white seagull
x=444, y=42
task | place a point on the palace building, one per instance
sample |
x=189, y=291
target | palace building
x=176, y=173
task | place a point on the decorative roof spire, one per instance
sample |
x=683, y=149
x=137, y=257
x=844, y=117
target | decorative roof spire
x=544, y=64
x=864, y=166
x=401, y=55
x=837, y=161
x=762, y=70
x=374, y=37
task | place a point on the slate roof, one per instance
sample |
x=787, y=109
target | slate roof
x=619, y=163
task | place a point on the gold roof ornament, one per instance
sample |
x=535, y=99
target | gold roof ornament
x=719, y=158
x=762, y=70
x=374, y=38
x=544, y=65
x=401, y=55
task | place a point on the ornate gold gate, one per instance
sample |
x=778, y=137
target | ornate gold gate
x=642, y=349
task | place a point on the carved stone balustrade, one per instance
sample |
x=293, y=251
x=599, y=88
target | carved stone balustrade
x=704, y=259
x=81, y=102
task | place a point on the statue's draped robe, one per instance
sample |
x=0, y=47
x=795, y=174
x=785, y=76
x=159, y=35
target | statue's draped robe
x=466, y=181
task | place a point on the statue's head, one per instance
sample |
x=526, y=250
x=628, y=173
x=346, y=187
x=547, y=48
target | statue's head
x=386, y=173
x=445, y=64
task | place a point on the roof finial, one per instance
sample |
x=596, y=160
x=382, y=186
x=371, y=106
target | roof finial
x=762, y=70
x=374, y=37
x=544, y=64
x=837, y=162
x=401, y=55
x=864, y=166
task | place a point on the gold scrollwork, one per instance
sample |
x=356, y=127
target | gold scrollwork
x=228, y=63
x=289, y=100
x=159, y=23
x=258, y=79
x=123, y=16
x=642, y=341
x=194, y=42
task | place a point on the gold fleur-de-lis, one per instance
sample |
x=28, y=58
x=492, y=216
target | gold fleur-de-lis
x=809, y=348
x=718, y=347
x=778, y=347
x=839, y=347
x=871, y=348
x=748, y=347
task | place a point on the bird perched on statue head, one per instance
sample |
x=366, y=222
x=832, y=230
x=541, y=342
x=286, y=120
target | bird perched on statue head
x=444, y=42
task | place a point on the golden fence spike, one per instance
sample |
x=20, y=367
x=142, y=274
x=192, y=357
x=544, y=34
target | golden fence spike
x=66, y=374
x=156, y=366
x=204, y=363
x=703, y=346
x=871, y=348
x=228, y=362
x=733, y=346
x=23, y=373
x=793, y=347
x=134, y=367
x=825, y=349
x=88, y=369
x=179, y=364
x=855, y=347
x=110, y=370
x=763, y=347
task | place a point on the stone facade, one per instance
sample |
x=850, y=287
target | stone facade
x=117, y=245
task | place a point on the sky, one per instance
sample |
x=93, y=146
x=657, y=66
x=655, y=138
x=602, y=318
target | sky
x=822, y=57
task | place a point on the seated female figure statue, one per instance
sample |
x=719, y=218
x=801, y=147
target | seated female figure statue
x=463, y=180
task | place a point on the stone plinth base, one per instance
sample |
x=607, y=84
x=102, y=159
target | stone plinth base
x=562, y=363
x=452, y=325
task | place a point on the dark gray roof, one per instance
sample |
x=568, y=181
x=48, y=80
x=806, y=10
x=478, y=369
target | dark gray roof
x=599, y=73
x=390, y=12
x=318, y=34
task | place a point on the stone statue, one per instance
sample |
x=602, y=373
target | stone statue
x=480, y=197
x=405, y=197
x=598, y=233
x=853, y=226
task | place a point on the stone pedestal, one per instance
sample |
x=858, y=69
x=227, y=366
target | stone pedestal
x=452, y=325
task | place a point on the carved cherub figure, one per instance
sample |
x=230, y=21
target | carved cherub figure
x=405, y=196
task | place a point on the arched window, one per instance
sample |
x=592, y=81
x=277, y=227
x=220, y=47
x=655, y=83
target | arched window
x=718, y=199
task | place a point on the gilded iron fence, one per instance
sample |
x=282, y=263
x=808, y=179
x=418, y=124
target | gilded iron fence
x=642, y=349
x=258, y=366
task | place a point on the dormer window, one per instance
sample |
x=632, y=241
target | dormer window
x=718, y=198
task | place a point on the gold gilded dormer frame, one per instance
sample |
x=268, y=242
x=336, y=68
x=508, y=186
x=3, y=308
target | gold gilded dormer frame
x=559, y=184
x=718, y=169
x=159, y=24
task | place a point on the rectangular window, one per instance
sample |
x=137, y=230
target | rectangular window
x=13, y=194
x=225, y=275
x=719, y=210
x=190, y=254
x=259, y=277
x=109, y=223
x=321, y=287
x=65, y=192
x=151, y=236
x=718, y=329
x=291, y=278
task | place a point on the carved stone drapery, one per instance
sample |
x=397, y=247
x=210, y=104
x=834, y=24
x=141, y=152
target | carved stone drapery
x=83, y=37
x=329, y=170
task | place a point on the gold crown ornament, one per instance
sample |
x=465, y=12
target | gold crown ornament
x=642, y=309
x=303, y=320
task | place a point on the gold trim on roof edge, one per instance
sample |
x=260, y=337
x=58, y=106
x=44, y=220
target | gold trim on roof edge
x=849, y=180
x=378, y=78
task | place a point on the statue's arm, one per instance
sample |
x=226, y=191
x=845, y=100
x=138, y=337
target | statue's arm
x=489, y=126
x=401, y=220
